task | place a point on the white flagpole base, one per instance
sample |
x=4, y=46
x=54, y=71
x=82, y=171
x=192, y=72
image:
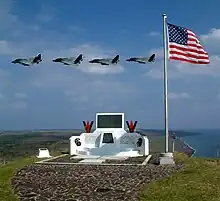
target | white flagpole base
x=167, y=159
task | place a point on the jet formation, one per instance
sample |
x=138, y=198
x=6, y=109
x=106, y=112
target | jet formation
x=78, y=60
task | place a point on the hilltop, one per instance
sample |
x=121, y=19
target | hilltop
x=198, y=179
x=14, y=144
x=185, y=182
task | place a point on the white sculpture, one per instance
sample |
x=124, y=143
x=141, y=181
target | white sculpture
x=44, y=153
x=109, y=139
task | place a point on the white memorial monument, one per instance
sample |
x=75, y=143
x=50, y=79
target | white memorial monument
x=109, y=140
x=44, y=153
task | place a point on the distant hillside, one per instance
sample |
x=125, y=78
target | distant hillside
x=208, y=131
x=158, y=132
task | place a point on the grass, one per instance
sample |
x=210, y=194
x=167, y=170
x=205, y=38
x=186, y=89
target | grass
x=157, y=144
x=200, y=180
x=6, y=174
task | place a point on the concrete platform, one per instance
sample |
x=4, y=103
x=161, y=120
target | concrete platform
x=92, y=161
x=114, y=157
x=109, y=157
x=85, y=157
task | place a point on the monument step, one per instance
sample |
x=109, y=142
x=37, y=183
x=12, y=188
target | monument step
x=92, y=161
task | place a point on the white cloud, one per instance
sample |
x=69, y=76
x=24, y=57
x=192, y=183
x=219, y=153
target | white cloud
x=20, y=95
x=2, y=96
x=99, y=89
x=75, y=28
x=7, y=19
x=158, y=52
x=4, y=79
x=19, y=105
x=47, y=13
x=211, y=41
x=12, y=49
x=101, y=94
x=214, y=34
x=154, y=33
x=157, y=73
x=175, y=96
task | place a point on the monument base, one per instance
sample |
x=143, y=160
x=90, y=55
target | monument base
x=167, y=159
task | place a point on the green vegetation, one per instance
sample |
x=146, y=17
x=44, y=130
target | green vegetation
x=6, y=174
x=198, y=181
x=14, y=145
x=157, y=144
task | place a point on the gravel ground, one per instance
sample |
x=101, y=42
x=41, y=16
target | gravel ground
x=155, y=159
x=42, y=182
x=131, y=160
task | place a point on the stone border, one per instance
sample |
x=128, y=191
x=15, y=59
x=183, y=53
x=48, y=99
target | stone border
x=146, y=160
x=52, y=158
x=47, y=161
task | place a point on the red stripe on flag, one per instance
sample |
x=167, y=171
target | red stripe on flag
x=188, y=54
x=188, y=60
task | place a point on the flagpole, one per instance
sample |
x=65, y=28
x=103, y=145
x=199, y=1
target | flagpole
x=165, y=82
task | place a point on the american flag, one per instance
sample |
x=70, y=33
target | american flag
x=184, y=46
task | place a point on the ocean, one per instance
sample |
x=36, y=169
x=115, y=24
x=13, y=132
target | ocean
x=205, y=144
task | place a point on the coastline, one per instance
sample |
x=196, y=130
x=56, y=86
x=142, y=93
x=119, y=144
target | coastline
x=184, y=147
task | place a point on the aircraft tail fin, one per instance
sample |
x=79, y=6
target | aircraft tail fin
x=37, y=59
x=15, y=61
x=39, y=56
x=79, y=59
x=152, y=58
x=115, y=60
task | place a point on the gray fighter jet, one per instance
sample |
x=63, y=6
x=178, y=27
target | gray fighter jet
x=142, y=60
x=106, y=61
x=28, y=61
x=70, y=60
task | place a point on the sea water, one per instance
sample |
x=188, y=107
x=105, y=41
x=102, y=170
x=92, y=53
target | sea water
x=205, y=144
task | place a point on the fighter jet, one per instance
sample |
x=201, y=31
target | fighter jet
x=70, y=60
x=28, y=61
x=142, y=60
x=106, y=61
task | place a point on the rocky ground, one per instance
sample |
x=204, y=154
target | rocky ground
x=155, y=159
x=43, y=182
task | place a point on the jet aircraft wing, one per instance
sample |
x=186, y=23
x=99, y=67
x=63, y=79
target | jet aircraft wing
x=68, y=61
x=25, y=62
x=104, y=64
x=65, y=60
x=104, y=61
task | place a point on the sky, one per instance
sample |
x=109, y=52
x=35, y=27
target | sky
x=54, y=96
